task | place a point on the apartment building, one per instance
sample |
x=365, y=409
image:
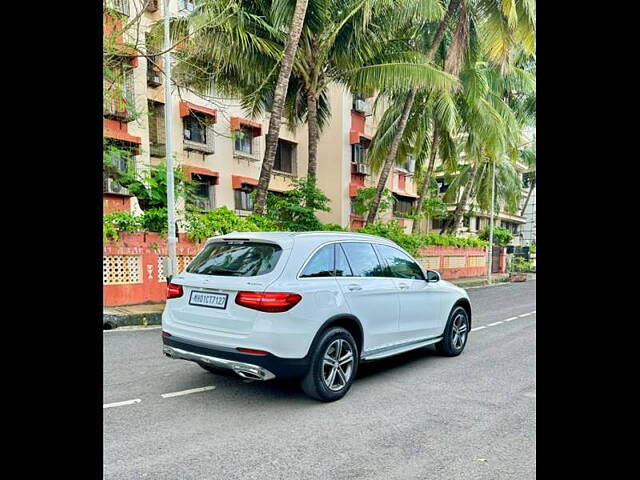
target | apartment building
x=220, y=148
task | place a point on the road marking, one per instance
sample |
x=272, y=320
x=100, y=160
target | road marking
x=121, y=404
x=132, y=329
x=502, y=321
x=187, y=392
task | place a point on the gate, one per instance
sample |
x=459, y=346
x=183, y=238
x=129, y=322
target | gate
x=495, y=260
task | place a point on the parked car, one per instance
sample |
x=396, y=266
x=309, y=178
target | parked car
x=308, y=306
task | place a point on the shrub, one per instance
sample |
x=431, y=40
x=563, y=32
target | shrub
x=116, y=222
x=332, y=227
x=519, y=265
x=362, y=201
x=501, y=236
x=155, y=220
x=295, y=210
x=218, y=221
x=412, y=243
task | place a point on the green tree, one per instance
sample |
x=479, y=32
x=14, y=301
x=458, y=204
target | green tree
x=484, y=27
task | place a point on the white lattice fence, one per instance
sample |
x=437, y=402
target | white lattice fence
x=454, y=262
x=432, y=263
x=121, y=269
x=476, y=261
x=183, y=261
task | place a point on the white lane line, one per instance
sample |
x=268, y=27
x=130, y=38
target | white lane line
x=187, y=392
x=132, y=329
x=121, y=404
x=502, y=321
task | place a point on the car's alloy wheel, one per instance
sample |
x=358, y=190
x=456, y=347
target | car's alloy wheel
x=337, y=365
x=333, y=365
x=459, y=329
x=455, y=333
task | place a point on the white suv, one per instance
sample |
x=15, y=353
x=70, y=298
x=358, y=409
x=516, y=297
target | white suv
x=308, y=306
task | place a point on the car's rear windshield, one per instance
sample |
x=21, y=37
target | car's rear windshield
x=236, y=258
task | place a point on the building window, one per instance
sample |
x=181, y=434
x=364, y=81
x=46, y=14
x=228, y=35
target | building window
x=478, y=223
x=188, y=5
x=203, y=193
x=243, y=140
x=195, y=128
x=512, y=227
x=442, y=186
x=526, y=180
x=243, y=198
x=437, y=223
x=156, y=129
x=466, y=221
x=402, y=205
x=120, y=6
x=118, y=92
x=358, y=153
x=409, y=164
x=285, y=156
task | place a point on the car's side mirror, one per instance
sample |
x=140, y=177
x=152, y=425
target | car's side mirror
x=433, y=276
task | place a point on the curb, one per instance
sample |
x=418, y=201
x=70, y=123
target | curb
x=110, y=321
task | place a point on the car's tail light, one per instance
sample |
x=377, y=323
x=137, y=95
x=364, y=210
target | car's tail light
x=268, y=301
x=174, y=291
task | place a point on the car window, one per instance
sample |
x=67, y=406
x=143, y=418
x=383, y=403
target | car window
x=400, y=264
x=236, y=258
x=342, y=265
x=362, y=259
x=321, y=264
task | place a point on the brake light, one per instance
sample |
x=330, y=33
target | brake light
x=268, y=301
x=174, y=291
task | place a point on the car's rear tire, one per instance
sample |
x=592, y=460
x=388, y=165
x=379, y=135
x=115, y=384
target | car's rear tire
x=456, y=333
x=333, y=366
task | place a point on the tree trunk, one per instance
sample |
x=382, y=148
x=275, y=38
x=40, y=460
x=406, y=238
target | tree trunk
x=388, y=163
x=526, y=202
x=458, y=213
x=391, y=156
x=424, y=192
x=314, y=133
x=278, y=104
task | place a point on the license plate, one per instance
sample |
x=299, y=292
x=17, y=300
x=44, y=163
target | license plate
x=206, y=299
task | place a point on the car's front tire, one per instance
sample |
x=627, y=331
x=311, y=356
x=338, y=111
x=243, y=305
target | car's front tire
x=333, y=366
x=455, y=333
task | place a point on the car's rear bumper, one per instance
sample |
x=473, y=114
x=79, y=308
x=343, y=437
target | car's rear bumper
x=255, y=367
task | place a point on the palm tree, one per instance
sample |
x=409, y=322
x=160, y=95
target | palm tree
x=499, y=27
x=404, y=116
x=357, y=43
x=278, y=104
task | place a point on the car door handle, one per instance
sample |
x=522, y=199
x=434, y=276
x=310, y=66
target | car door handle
x=403, y=286
x=353, y=288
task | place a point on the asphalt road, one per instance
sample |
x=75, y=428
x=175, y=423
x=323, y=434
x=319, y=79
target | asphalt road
x=413, y=416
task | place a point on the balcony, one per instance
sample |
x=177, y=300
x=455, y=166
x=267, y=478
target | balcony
x=116, y=109
x=205, y=148
x=157, y=150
